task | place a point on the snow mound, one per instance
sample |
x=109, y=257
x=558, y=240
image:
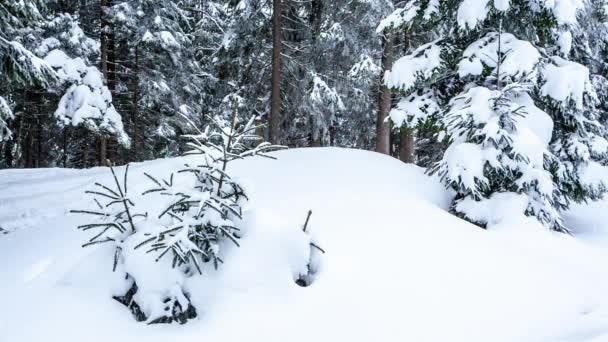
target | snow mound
x=398, y=267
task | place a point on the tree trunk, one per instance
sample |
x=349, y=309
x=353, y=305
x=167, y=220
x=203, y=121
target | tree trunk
x=315, y=18
x=138, y=137
x=105, y=41
x=29, y=145
x=406, y=134
x=38, y=161
x=64, y=143
x=384, y=99
x=406, y=145
x=85, y=155
x=259, y=130
x=274, y=121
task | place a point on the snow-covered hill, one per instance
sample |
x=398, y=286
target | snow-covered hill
x=398, y=266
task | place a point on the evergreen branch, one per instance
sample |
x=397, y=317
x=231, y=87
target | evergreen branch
x=97, y=242
x=312, y=244
x=107, y=189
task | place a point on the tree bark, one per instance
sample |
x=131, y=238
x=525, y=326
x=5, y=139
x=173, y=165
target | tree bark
x=105, y=40
x=406, y=134
x=406, y=145
x=138, y=137
x=384, y=99
x=274, y=121
x=315, y=18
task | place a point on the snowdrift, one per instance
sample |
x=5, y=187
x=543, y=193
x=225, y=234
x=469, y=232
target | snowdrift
x=398, y=267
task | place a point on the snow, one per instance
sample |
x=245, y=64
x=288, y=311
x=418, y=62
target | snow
x=398, y=267
x=432, y=8
x=68, y=69
x=564, y=10
x=362, y=69
x=420, y=64
x=466, y=162
x=415, y=108
x=500, y=208
x=520, y=60
x=594, y=173
x=565, y=80
x=400, y=17
x=564, y=42
x=87, y=100
x=6, y=113
x=471, y=12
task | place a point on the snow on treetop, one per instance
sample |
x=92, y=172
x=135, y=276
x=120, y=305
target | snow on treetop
x=472, y=12
x=420, y=64
x=519, y=61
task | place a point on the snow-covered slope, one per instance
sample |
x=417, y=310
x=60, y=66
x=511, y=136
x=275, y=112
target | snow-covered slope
x=398, y=267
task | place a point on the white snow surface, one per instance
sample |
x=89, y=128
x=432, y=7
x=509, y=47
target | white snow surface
x=398, y=266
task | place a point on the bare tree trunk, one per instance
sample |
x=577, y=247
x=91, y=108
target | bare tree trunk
x=138, y=137
x=315, y=18
x=28, y=151
x=64, y=143
x=274, y=121
x=383, y=131
x=406, y=144
x=259, y=130
x=406, y=134
x=104, y=39
x=38, y=161
x=85, y=155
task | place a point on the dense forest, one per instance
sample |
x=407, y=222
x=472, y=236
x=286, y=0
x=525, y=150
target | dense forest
x=494, y=96
x=167, y=65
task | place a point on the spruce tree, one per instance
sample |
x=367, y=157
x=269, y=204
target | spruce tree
x=520, y=118
x=198, y=213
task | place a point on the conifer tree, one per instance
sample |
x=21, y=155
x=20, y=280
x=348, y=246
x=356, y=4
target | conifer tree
x=200, y=214
x=519, y=117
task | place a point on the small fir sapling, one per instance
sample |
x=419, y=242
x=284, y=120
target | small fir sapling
x=199, y=215
x=314, y=262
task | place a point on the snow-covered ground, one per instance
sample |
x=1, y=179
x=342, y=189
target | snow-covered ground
x=398, y=266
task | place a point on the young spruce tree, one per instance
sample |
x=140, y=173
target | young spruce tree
x=186, y=222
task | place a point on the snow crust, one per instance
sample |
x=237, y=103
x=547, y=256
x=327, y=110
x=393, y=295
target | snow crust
x=398, y=266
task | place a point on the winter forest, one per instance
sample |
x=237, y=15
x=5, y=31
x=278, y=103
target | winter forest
x=297, y=170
